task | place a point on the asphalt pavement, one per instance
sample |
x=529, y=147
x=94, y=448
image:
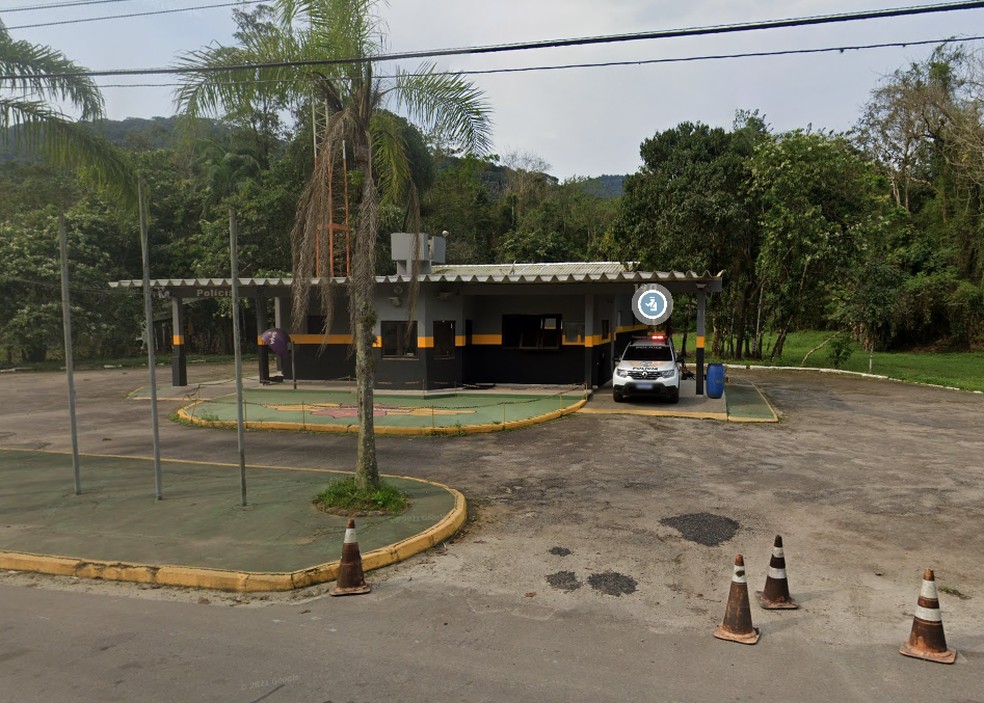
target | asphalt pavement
x=575, y=577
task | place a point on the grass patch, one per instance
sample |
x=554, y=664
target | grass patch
x=954, y=369
x=953, y=592
x=343, y=497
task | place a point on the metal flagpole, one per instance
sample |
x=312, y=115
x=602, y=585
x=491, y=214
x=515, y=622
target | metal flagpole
x=237, y=349
x=150, y=337
x=69, y=353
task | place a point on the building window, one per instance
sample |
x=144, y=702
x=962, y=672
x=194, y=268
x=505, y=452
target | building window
x=531, y=331
x=399, y=339
x=444, y=339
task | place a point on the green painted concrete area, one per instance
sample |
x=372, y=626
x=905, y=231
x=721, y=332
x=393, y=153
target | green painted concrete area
x=200, y=521
x=331, y=407
x=745, y=402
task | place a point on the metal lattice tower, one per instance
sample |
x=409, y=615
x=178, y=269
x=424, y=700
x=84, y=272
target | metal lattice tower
x=333, y=234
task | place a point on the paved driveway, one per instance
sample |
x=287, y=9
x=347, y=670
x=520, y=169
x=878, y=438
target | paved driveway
x=869, y=482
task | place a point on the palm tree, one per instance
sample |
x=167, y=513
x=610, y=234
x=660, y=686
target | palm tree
x=36, y=76
x=282, y=63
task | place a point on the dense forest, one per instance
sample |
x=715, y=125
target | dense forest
x=877, y=232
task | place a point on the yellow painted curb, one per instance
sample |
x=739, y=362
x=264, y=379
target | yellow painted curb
x=694, y=415
x=242, y=581
x=445, y=430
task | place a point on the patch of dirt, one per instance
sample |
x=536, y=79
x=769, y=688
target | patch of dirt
x=703, y=528
x=612, y=583
x=560, y=551
x=564, y=581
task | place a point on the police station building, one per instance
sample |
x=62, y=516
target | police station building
x=533, y=323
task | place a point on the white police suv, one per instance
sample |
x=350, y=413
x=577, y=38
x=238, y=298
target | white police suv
x=647, y=367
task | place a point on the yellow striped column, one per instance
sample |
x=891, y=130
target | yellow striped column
x=179, y=354
x=701, y=304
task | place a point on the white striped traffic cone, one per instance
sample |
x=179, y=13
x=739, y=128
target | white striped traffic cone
x=737, y=625
x=351, y=580
x=927, y=641
x=775, y=595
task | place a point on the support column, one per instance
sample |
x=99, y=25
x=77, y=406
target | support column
x=261, y=326
x=179, y=354
x=278, y=321
x=589, y=309
x=701, y=303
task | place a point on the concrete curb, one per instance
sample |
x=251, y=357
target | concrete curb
x=843, y=372
x=241, y=581
x=447, y=431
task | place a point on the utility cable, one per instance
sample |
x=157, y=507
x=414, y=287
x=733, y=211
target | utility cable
x=57, y=5
x=135, y=14
x=608, y=64
x=541, y=44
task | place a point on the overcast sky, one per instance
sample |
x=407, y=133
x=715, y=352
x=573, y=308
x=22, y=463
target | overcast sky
x=582, y=122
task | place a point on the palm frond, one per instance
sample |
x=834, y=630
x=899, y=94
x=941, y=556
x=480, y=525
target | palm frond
x=38, y=72
x=338, y=28
x=446, y=104
x=214, y=92
x=391, y=164
x=36, y=128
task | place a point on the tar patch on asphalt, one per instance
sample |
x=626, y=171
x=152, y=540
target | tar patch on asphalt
x=703, y=528
x=564, y=581
x=612, y=583
x=560, y=551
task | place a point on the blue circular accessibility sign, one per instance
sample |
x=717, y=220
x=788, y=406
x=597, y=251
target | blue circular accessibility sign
x=652, y=304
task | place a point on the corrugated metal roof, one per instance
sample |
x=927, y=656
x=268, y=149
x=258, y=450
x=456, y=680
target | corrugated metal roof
x=571, y=268
x=572, y=272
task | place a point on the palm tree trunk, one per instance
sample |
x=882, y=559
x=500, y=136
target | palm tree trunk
x=366, y=468
x=362, y=288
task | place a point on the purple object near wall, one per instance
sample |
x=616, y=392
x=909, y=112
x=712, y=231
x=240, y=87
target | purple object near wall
x=278, y=341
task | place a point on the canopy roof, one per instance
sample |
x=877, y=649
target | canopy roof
x=591, y=272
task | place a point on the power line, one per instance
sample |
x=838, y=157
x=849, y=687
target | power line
x=608, y=64
x=135, y=14
x=542, y=44
x=56, y=5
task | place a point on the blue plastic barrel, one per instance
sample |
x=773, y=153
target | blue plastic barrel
x=715, y=380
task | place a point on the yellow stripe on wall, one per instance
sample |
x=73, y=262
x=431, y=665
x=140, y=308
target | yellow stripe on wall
x=487, y=339
x=459, y=340
x=319, y=338
x=425, y=342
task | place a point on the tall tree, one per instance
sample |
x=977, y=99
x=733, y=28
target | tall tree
x=823, y=207
x=925, y=125
x=38, y=78
x=690, y=206
x=285, y=65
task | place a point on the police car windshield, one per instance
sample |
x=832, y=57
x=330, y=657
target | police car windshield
x=648, y=354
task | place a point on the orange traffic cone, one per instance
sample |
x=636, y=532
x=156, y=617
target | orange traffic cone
x=737, y=625
x=351, y=581
x=776, y=596
x=927, y=641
